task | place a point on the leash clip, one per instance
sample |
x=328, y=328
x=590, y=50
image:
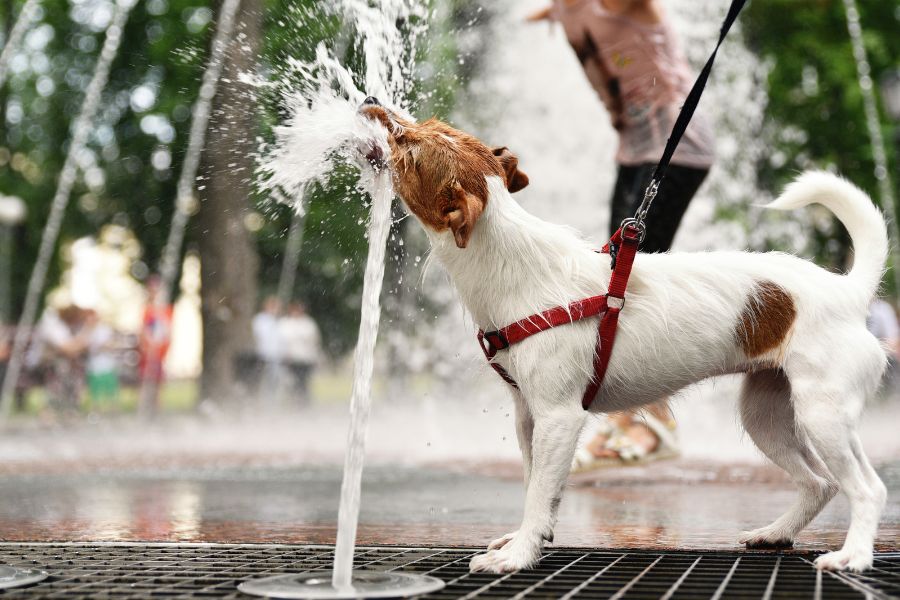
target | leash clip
x=637, y=221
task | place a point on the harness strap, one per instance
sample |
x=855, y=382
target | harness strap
x=490, y=351
x=626, y=242
x=623, y=245
x=492, y=342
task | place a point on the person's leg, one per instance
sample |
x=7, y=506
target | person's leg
x=94, y=385
x=627, y=182
x=675, y=194
x=301, y=373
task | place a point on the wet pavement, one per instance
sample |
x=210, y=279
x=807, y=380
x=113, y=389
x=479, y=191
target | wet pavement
x=683, y=504
x=442, y=471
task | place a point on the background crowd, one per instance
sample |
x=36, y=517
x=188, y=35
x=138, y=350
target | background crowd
x=77, y=363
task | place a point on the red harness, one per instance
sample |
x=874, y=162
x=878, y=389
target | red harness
x=621, y=247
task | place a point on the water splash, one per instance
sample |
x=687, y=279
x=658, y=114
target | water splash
x=324, y=128
x=322, y=97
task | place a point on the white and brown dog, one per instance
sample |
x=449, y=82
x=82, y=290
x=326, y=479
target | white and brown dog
x=797, y=331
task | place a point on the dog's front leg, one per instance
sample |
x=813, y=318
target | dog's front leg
x=524, y=433
x=554, y=437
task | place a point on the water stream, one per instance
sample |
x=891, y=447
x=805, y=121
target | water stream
x=361, y=397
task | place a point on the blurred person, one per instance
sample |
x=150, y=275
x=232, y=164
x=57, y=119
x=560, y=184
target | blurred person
x=631, y=56
x=265, y=331
x=102, y=362
x=60, y=346
x=5, y=348
x=153, y=345
x=268, y=344
x=882, y=322
x=301, y=343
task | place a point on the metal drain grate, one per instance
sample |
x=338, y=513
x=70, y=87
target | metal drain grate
x=213, y=571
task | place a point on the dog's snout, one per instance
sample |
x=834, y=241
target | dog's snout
x=371, y=101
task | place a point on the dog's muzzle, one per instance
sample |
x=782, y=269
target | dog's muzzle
x=374, y=154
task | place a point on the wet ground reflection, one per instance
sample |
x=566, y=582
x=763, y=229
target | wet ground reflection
x=674, y=505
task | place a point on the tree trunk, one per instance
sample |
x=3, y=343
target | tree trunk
x=229, y=260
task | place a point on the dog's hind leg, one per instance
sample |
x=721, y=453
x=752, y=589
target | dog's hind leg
x=828, y=414
x=554, y=437
x=768, y=418
x=524, y=434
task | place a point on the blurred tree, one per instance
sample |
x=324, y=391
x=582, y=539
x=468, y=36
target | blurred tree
x=815, y=113
x=228, y=259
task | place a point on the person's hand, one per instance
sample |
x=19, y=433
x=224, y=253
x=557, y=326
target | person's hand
x=541, y=15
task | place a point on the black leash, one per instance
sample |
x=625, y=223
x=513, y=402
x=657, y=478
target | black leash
x=681, y=123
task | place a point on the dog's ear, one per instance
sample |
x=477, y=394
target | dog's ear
x=461, y=213
x=515, y=179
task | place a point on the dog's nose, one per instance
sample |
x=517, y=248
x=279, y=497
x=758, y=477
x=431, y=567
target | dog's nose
x=371, y=100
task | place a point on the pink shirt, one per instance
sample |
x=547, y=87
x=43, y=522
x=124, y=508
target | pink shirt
x=653, y=79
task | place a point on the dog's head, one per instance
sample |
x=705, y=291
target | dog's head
x=440, y=172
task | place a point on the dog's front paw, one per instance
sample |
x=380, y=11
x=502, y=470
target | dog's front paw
x=502, y=541
x=845, y=560
x=509, y=558
x=766, y=537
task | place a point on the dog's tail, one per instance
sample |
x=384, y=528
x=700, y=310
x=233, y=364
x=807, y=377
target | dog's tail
x=855, y=210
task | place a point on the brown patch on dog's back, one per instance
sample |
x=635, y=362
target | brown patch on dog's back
x=766, y=319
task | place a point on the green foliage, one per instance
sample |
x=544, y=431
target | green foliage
x=815, y=113
x=145, y=112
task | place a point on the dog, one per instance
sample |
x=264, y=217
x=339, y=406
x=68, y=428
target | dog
x=797, y=332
